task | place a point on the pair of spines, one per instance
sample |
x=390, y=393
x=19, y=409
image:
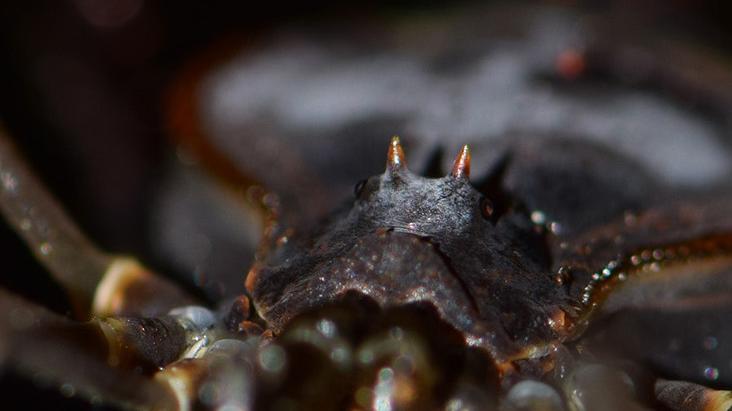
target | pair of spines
x=396, y=160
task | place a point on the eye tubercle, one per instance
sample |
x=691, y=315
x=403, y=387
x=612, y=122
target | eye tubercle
x=395, y=158
x=461, y=166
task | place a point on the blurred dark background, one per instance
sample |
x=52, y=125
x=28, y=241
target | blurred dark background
x=83, y=86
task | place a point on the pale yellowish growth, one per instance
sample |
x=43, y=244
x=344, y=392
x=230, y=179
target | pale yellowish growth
x=109, y=297
x=717, y=400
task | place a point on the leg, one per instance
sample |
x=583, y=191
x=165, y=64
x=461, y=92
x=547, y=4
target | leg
x=98, y=283
x=86, y=358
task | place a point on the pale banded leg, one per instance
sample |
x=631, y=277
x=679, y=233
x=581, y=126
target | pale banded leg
x=104, y=361
x=686, y=396
x=221, y=379
x=98, y=283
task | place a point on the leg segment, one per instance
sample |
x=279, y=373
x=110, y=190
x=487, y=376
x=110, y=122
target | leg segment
x=98, y=283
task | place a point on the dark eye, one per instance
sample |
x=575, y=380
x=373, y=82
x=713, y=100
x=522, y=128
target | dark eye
x=358, y=189
x=487, y=208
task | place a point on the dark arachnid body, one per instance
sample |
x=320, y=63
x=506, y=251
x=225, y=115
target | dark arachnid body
x=413, y=239
x=563, y=274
